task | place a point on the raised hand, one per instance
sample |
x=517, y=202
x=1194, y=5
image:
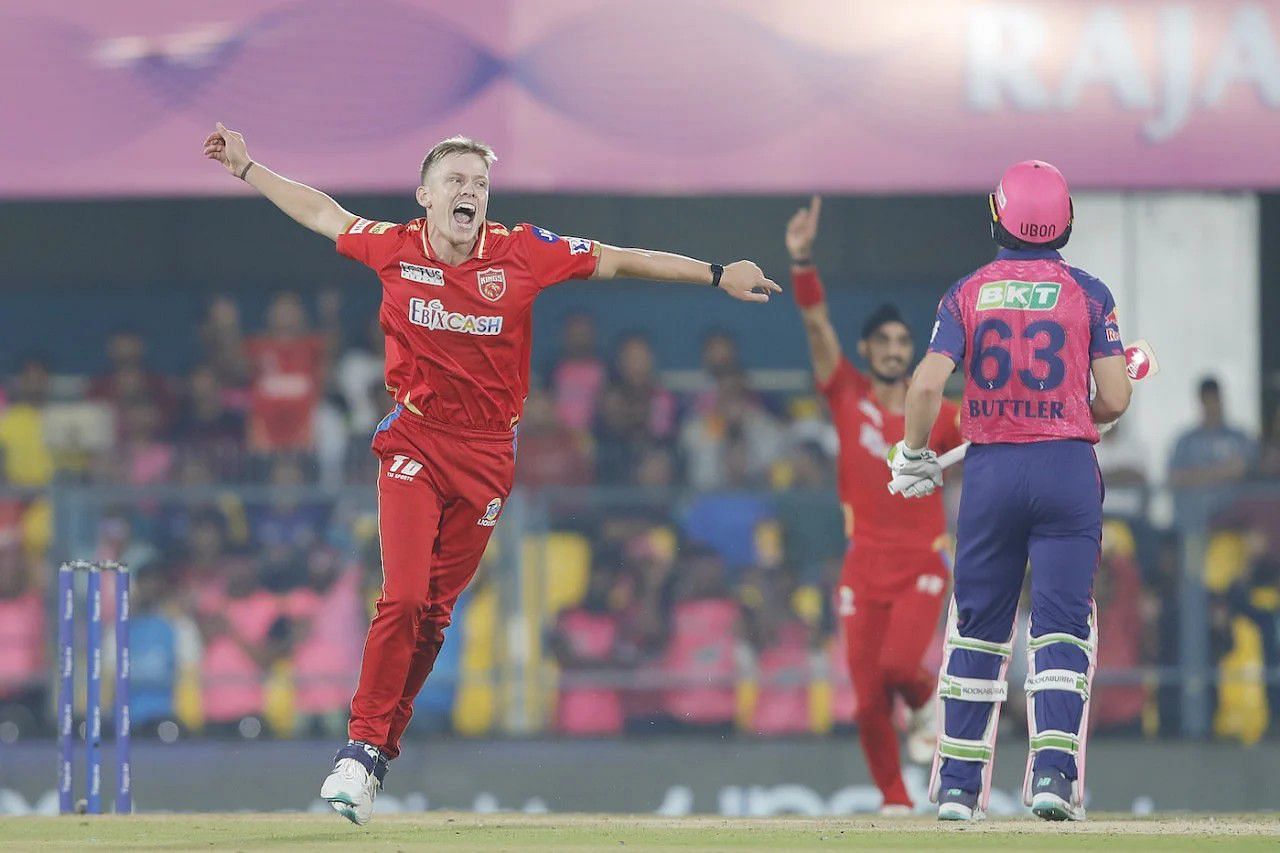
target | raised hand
x=744, y=280
x=227, y=147
x=802, y=229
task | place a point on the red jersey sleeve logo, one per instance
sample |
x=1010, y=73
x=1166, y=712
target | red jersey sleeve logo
x=492, y=283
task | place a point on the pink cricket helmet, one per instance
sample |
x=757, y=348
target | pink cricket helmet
x=1032, y=202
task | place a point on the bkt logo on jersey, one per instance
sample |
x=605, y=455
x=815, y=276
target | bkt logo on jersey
x=491, y=513
x=1023, y=295
x=433, y=315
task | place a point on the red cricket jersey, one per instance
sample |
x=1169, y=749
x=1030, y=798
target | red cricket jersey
x=459, y=337
x=875, y=519
x=288, y=376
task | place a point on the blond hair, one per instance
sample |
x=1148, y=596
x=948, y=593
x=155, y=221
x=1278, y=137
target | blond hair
x=455, y=145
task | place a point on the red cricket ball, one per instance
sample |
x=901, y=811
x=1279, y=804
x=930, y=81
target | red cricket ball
x=1136, y=363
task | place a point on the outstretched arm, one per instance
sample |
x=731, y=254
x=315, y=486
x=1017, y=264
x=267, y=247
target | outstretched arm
x=306, y=206
x=740, y=279
x=824, y=345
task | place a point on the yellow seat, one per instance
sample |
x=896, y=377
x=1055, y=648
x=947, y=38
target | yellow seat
x=1224, y=560
x=556, y=570
x=279, y=699
x=475, y=703
x=1242, y=696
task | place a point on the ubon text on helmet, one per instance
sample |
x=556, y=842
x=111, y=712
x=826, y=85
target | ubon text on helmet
x=1031, y=207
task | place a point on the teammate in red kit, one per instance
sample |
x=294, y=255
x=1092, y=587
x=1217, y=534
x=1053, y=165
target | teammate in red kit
x=457, y=299
x=895, y=573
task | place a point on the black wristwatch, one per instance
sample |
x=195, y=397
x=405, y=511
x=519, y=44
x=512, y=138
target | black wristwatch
x=716, y=272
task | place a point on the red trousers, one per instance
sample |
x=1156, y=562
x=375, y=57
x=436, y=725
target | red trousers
x=440, y=492
x=889, y=603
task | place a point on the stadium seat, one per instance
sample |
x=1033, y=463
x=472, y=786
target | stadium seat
x=1224, y=560
x=1242, y=696
x=556, y=568
x=279, y=699
x=475, y=704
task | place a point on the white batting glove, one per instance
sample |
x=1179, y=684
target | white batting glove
x=921, y=464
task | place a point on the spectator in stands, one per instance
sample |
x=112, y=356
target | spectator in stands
x=733, y=522
x=579, y=373
x=635, y=412
x=1122, y=620
x=736, y=425
x=328, y=618
x=585, y=641
x=224, y=350
x=154, y=646
x=719, y=359
x=289, y=365
x=287, y=529
x=144, y=457
x=27, y=460
x=700, y=664
x=643, y=590
x=245, y=634
x=812, y=528
x=206, y=426
x=286, y=519
x=122, y=537
x=1208, y=459
x=129, y=380
x=360, y=380
x=549, y=452
x=780, y=642
x=656, y=469
x=1256, y=597
x=23, y=637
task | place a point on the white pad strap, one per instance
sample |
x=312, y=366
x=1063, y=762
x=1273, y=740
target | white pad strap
x=955, y=641
x=1035, y=644
x=1054, y=739
x=972, y=689
x=1058, y=679
x=965, y=750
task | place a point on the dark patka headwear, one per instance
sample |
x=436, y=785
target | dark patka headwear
x=886, y=313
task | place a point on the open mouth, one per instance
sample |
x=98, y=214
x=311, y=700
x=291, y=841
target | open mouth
x=464, y=213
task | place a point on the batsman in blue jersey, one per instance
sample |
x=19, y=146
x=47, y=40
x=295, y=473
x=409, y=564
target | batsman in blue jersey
x=1029, y=331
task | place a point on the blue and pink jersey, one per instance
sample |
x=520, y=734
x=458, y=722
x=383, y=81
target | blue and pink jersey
x=1026, y=328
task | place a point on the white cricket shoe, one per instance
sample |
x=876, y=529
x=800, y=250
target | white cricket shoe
x=922, y=733
x=1052, y=798
x=354, y=782
x=956, y=804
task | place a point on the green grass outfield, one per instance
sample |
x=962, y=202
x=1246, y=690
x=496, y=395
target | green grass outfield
x=515, y=832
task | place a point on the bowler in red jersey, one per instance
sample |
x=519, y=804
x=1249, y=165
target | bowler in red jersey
x=895, y=574
x=457, y=300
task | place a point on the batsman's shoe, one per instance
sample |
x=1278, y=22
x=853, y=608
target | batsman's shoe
x=1051, y=797
x=958, y=804
x=922, y=733
x=358, y=770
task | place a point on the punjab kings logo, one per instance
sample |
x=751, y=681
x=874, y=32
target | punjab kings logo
x=491, y=513
x=492, y=282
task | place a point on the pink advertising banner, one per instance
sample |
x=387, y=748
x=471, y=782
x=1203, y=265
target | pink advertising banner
x=668, y=96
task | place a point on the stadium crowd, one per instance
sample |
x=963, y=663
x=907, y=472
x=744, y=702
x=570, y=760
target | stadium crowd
x=689, y=589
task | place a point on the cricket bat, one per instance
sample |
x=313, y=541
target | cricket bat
x=1139, y=362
